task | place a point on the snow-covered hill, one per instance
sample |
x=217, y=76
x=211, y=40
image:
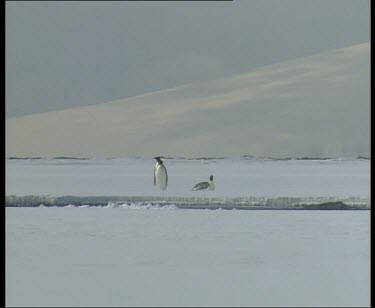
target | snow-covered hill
x=316, y=106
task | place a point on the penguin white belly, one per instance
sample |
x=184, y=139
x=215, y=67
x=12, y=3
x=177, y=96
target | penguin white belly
x=161, y=178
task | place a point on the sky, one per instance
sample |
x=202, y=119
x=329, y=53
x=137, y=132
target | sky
x=63, y=54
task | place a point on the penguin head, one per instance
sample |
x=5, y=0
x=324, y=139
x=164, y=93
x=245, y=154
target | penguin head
x=158, y=159
x=211, y=177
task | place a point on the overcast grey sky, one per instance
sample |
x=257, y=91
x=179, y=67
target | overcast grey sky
x=70, y=54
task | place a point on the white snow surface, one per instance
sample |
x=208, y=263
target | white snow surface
x=233, y=177
x=133, y=256
x=76, y=257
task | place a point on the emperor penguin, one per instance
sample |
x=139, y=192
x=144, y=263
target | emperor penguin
x=205, y=185
x=160, y=175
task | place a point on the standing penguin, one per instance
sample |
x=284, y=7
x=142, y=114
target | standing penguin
x=160, y=175
x=205, y=185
